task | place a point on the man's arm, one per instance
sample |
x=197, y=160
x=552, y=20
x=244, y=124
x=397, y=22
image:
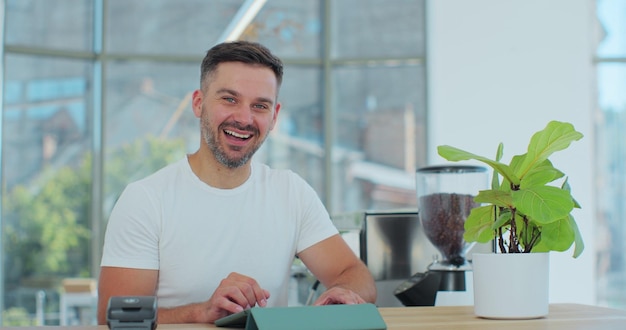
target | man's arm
x=345, y=276
x=234, y=293
x=115, y=281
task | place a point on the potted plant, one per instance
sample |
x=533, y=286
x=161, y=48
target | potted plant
x=527, y=215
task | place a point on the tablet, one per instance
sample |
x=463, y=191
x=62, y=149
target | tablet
x=329, y=317
x=237, y=320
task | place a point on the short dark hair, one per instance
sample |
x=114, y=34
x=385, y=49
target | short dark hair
x=240, y=51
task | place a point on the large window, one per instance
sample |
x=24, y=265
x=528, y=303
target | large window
x=97, y=94
x=611, y=151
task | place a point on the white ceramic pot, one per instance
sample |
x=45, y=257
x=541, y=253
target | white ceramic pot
x=511, y=286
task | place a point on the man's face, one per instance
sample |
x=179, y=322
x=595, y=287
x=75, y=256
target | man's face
x=237, y=110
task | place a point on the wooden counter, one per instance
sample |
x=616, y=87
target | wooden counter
x=561, y=316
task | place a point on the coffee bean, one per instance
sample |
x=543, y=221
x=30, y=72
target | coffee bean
x=443, y=217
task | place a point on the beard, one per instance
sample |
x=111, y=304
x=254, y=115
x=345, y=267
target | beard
x=211, y=138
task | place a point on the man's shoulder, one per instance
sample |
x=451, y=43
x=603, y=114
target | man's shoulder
x=285, y=181
x=266, y=172
x=164, y=175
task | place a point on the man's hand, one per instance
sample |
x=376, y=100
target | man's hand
x=338, y=295
x=234, y=294
x=346, y=277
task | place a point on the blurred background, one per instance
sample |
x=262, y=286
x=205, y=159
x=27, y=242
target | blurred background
x=96, y=94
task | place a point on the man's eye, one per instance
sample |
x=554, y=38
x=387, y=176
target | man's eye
x=261, y=106
x=229, y=99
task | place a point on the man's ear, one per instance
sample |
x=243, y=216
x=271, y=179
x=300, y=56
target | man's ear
x=196, y=102
x=276, y=110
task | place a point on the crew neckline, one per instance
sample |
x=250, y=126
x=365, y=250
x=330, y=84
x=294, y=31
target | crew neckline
x=189, y=171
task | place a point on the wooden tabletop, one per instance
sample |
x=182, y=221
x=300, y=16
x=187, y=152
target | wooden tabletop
x=561, y=316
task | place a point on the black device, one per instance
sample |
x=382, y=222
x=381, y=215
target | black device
x=132, y=313
x=421, y=288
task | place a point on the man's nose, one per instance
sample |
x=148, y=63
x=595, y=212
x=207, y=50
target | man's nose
x=244, y=115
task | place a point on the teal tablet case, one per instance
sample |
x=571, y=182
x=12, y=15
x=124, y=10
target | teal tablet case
x=327, y=317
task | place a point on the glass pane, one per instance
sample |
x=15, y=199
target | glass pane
x=167, y=27
x=612, y=84
x=291, y=29
x=47, y=172
x=611, y=185
x=149, y=120
x=611, y=14
x=297, y=142
x=380, y=128
x=59, y=24
x=377, y=28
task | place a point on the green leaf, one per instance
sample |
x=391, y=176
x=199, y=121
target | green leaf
x=502, y=220
x=566, y=186
x=496, y=197
x=543, y=204
x=556, y=136
x=516, y=162
x=556, y=236
x=478, y=225
x=499, y=152
x=455, y=155
x=578, y=238
x=540, y=175
x=495, y=179
x=540, y=247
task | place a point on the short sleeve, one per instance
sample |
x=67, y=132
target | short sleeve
x=132, y=234
x=316, y=224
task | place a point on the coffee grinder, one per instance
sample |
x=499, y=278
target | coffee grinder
x=445, y=197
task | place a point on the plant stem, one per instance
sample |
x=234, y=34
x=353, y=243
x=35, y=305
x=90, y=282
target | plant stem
x=501, y=241
x=513, y=240
x=526, y=235
x=500, y=238
x=535, y=238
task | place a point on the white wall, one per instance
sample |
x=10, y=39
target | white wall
x=499, y=70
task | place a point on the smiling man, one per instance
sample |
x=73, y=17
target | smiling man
x=216, y=233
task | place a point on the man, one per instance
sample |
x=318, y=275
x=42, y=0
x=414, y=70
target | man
x=214, y=233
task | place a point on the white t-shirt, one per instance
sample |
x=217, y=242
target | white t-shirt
x=195, y=235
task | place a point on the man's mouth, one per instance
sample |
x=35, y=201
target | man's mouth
x=238, y=135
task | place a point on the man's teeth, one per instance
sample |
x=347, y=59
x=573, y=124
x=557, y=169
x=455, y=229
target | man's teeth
x=241, y=136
